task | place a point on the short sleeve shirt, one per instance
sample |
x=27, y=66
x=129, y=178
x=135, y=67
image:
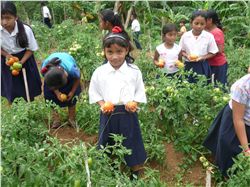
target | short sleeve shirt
x=135, y=26
x=46, y=12
x=201, y=45
x=240, y=92
x=220, y=58
x=8, y=40
x=117, y=86
x=170, y=56
x=68, y=63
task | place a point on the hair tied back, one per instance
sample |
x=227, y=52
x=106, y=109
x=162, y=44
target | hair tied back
x=44, y=70
x=116, y=29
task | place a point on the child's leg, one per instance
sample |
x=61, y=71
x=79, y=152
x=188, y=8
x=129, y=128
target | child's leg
x=72, y=116
x=56, y=120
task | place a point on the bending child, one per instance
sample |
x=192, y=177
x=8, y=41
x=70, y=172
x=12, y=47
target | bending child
x=61, y=84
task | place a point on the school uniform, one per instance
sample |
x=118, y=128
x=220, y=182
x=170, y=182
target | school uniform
x=201, y=45
x=170, y=56
x=46, y=16
x=136, y=29
x=13, y=86
x=222, y=140
x=119, y=87
x=218, y=63
x=68, y=63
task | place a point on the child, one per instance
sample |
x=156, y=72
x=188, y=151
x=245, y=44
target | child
x=136, y=30
x=218, y=63
x=182, y=28
x=108, y=20
x=168, y=51
x=230, y=131
x=198, y=46
x=17, y=40
x=119, y=82
x=46, y=15
x=61, y=84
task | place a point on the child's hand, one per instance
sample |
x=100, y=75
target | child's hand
x=248, y=69
x=193, y=58
x=107, y=107
x=247, y=152
x=160, y=63
x=131, y=106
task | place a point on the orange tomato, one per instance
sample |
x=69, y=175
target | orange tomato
x=161, y=63
x=63, y=97
x=16, y=59
x=14, y=72
x=10, y=62
x=108, y=107
x=132, y=105
x=193, y=57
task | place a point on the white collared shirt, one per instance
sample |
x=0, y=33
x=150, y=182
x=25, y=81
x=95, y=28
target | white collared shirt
x=117, y=86
x=8, y=40
x=46, y=12
x=135, y=26
x=202, y=45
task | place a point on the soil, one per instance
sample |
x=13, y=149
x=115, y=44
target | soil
x=169, y=170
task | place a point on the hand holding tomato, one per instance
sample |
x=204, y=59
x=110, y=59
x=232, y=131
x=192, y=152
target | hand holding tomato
x=107, y=107
x=131, y=106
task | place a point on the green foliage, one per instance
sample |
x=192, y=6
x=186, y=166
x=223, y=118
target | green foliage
x=239, y=173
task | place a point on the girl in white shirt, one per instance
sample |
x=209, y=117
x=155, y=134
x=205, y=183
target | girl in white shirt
x=198, y=46
x=229, y=133
x=168, y=51
x=17, y=41
x=119, y=82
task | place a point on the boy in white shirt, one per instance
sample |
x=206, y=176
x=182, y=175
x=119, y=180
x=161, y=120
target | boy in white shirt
x=46, y=15
x=136, y=29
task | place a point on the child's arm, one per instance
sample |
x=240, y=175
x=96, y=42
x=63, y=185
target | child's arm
x=4, y=53
x=74, y=87
x=180, y=56
x=156, y=57
x=205, y=57
x=26, y=56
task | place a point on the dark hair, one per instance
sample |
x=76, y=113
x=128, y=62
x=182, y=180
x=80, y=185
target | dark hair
x=110, y=16
x=183, y=21
x=54, y=77
x=215, y=18
x=8, y=7
x=198, y=13
x=120, y=39
x=169, y=28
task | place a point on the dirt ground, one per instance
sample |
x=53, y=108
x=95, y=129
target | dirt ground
x=168, y=170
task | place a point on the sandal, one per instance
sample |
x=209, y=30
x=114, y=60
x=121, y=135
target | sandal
x=72, y=123
x=56, y=124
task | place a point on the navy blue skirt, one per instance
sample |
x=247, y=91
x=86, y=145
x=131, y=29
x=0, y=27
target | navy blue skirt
x=222, y=140
x=200, y=67
x=13, y=86
x=126, y=124
x=51, y=96
x=220, y=73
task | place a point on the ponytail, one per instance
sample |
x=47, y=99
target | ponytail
x=117, y=21
x=21, y=39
